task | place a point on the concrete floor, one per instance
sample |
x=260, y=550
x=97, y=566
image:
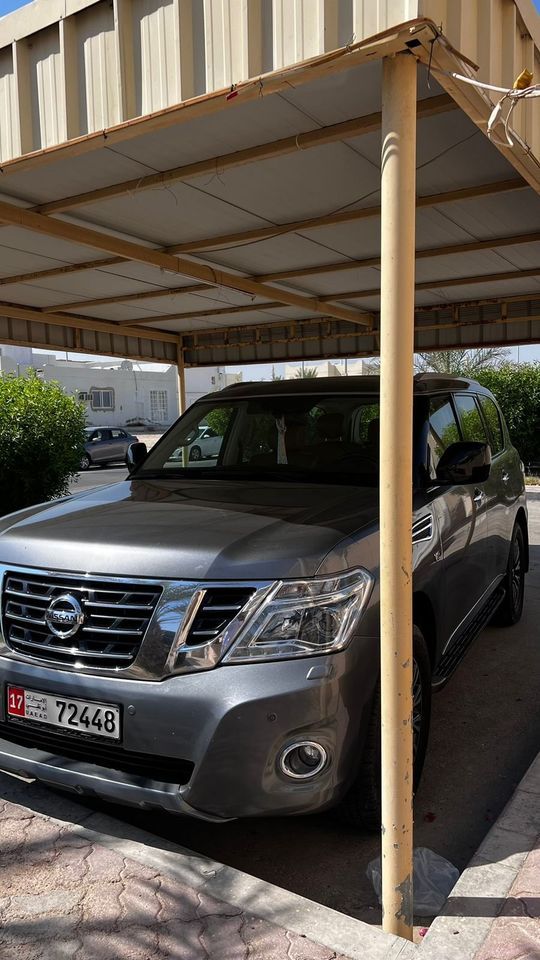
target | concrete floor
x=485, y=732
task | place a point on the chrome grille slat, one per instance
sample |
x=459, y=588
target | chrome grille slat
x=218, y=606
x=49, y=648
x=132, y=606
x=21, y=619
x=117, y=616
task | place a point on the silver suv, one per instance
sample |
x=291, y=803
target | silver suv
x=204, y=636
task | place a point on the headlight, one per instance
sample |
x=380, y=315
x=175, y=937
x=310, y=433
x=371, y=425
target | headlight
x=303, y=618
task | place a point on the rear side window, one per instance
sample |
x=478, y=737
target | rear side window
x=494, y=425
x=443, y=430
x=472, y=425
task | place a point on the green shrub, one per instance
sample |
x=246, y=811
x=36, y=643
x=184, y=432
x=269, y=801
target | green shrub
x=517, y=388
x=41, y=441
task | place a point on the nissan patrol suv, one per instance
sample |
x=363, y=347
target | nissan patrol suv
x=203, y=637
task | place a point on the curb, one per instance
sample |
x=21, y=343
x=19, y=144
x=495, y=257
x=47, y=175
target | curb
x=479, y=895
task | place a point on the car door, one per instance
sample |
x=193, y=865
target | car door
x=462, y=528
x=484, y=494
x=99, y=445
x=118, y=445
x=504, y=486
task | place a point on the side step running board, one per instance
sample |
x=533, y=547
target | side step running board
x=455, y=653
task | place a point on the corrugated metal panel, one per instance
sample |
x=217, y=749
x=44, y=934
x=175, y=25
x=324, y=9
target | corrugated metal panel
x=99, y=91
x=9, y=140
x=47, y=101
x=132, y=57
x=156, y=55
x=298, y=28
x=226, y=42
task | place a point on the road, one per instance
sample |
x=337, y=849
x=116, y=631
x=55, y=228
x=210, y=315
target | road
x=97, y=477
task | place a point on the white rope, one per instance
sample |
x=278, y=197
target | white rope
x=496, y=116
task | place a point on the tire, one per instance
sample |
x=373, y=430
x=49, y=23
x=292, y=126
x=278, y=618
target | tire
x=85, y=463
x=195, y=453
x=510, y=610
x=361, y=806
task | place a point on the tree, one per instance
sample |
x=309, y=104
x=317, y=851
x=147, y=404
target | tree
x=41, y=441
x=305, y=373
x=461, y=363
x=517, y=389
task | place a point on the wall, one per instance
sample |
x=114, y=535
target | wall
x=132, y=388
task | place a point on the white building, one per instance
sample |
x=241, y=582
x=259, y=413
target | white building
x=329, y=368
x=119, y=392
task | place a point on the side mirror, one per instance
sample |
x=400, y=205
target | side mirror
x=464, y=462
x=135, y=455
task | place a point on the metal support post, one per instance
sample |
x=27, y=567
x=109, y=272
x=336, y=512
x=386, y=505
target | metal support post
x=398, y=189
x=181, y=376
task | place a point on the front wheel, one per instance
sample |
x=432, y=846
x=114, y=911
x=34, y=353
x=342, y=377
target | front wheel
x=361, y=806
x=85, y=462
x=511, y=608
x=195, y=453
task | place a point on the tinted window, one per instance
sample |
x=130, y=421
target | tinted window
x=493, y=420
x=118, y=434
x=312, y=437
x=472, y=425
x=443, y=430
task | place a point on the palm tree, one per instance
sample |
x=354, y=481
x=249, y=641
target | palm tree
x=305, y=373
x=461, y=363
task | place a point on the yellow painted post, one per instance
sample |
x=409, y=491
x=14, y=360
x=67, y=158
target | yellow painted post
x=397, y=344
x=181, y=377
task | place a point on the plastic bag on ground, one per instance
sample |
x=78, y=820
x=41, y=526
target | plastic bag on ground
x=433, y=879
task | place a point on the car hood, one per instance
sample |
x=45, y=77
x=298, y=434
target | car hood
x=190, y=530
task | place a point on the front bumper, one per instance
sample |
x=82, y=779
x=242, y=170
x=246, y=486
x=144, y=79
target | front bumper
x=231, y=723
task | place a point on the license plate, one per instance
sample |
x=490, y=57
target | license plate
x=77, y=716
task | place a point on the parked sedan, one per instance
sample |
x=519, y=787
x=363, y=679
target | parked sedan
x=206, y=446
x=105, y=445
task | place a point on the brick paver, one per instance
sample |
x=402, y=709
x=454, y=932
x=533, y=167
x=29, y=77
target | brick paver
x=515, y=933
x=62, y=896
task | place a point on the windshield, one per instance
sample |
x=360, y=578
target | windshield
x=317, y=439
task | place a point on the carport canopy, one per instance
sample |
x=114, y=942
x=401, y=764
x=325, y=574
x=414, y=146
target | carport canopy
x=245, y=226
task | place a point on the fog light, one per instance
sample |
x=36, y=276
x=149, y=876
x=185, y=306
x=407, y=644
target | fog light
x=303, y=760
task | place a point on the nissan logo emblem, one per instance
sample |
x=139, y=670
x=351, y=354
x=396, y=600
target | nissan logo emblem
x=64, y=616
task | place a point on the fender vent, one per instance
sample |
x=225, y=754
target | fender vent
x=422, y=529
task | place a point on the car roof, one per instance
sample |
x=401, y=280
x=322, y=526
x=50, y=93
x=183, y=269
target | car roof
x=423, y=383
x=105, y=426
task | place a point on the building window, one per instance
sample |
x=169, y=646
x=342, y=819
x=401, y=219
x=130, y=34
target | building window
x=159, y=406
x=83, y=395
x=102, y=399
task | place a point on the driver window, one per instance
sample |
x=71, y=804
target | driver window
x=443, y=430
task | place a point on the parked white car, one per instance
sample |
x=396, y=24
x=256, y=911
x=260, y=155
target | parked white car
x=206, y=446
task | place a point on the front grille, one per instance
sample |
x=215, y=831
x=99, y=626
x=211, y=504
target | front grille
x=219, y=605
x=116, y=616
x=150, y=767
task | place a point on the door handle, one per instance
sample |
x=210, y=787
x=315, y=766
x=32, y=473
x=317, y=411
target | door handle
x=478, y=496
